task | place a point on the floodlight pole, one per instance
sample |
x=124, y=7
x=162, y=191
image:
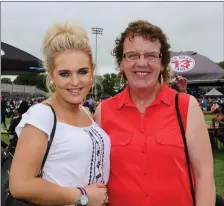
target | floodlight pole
x=96, y=31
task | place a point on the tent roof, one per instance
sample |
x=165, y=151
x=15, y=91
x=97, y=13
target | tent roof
x=195, y=67
x=16, y=61
x=214, y=92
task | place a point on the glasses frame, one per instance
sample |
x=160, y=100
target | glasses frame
x=140, y=54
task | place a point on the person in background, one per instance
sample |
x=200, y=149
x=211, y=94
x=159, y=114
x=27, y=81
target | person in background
x=219, y=118
x=3, y=111
x=179, y=83
x=213, y=108
x=148, y=165
x=23, y=108
x=91, y=104
x=204, y=104
x=77, y=167
x=209, y=104
x=86, y=104
x=35, y=101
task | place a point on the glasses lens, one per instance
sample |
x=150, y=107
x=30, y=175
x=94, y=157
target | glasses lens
x=132, y=56
x=152, y=56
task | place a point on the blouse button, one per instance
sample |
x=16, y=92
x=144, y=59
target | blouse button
x=146, y=194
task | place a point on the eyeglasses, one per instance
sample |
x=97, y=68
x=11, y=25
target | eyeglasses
x=149, y=56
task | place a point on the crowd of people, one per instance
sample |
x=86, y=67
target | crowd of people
x=130, y=152
x=13, y=107
x=210, y=104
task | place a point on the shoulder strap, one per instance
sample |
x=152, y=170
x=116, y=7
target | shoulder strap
x=50, y=141
x=87, y=113
x=185, y=147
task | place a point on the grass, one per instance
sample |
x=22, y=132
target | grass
x=5, y=137
x=219, y=172
x=209, y=117
x=218, y=162
x=218, y=166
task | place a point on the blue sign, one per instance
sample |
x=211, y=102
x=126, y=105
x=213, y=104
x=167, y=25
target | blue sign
x=37, y=68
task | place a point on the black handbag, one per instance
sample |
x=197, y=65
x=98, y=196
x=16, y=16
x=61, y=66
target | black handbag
x=6, y=198
x=219, y=199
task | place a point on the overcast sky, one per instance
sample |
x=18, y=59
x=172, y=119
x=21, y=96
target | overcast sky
x=190, y=26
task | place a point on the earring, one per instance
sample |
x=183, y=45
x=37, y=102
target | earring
x=122, y=79
x=51, y=82
x=92, y=82
x=161, y=78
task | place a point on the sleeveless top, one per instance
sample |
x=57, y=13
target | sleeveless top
x=148, y=165
x=78, y=156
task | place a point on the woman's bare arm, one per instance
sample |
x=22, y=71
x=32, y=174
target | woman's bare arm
x=26, y=164
x=200, y=155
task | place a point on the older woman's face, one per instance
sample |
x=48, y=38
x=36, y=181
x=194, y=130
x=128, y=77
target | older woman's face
x=143, y=72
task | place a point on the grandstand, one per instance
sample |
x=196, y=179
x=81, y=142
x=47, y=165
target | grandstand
x=21, y=91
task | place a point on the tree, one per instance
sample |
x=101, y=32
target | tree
x=32, y=79
x=221, y=64
x=111, y=84
x=41, y=84
x=6, y=80
x=26, y=79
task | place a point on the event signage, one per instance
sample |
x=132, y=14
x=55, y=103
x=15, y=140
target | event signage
x=182, y=63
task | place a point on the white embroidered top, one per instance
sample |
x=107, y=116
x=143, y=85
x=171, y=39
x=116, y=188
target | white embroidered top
x=78, y=155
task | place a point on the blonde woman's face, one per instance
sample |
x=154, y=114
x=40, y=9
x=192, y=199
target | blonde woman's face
x=72, y=75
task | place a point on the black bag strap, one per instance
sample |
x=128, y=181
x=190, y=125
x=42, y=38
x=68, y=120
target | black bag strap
x=50, y=141
x=185, y=147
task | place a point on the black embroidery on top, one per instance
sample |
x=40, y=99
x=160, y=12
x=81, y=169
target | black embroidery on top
x=97, y=159
x=91, y=164
x=101, y=140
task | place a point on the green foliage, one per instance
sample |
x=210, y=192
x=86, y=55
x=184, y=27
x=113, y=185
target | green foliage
x=6, y=80
x=221, y=64
x=108, y=84
x=32, y=79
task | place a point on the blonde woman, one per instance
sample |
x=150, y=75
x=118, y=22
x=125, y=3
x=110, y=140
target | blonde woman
x=78, y=160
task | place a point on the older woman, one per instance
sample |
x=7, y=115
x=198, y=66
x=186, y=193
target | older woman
x=148, y=165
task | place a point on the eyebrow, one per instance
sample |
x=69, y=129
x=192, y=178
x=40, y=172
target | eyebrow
x=144, y=52
x=69, y=70
x=87, y=68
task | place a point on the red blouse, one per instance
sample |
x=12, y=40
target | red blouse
x=148, y=165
